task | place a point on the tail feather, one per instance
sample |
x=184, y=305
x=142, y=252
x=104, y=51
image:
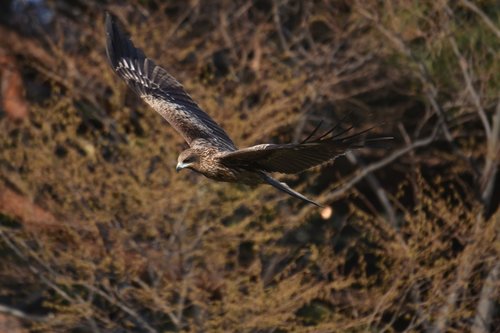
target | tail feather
x=285, y=188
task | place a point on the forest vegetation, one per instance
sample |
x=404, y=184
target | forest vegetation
x=98, y=233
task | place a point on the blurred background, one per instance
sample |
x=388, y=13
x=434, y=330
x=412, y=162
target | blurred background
x=99, y=234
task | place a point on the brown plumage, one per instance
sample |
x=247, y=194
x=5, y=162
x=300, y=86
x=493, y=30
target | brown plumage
x=212, y=153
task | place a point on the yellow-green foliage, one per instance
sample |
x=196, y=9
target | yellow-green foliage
x=137, y=247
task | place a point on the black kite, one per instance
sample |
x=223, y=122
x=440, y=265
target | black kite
x=211, y=151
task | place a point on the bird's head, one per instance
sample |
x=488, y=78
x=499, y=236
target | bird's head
x=188, y=159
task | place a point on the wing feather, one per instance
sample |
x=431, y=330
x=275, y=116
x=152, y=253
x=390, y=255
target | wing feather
x=161, y=91
x=296, y=157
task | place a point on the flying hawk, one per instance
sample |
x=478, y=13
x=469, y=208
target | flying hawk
x=211, y=151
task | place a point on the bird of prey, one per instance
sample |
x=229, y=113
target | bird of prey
x=211, y=151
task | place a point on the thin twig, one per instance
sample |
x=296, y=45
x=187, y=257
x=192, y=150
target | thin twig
x=462, y=273
x=378, y=189
x=20, y=314
x=115, y=301
x=159, y=303
x=486, y=305
x=279, y=27
x=491, y=165
x=482, y=15
x=429, y=88
x=470, y=87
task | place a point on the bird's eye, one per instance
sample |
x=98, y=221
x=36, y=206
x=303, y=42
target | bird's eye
x=190, y=159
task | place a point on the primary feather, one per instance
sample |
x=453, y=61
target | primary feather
x=297, y=157
x=161, y=91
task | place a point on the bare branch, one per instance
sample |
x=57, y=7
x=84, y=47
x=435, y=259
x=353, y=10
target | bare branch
x=20, y=314
x=491, y=165
x=378, y=189
x=115, y=301
x=462, y=273
x=380, y=164
x=486, y=306
x=470, y=88
x=482, y=15
x=279, y=26
x=429, y=88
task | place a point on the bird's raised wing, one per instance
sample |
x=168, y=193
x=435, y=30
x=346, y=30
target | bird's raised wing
x=161, y=91
x=297, y=157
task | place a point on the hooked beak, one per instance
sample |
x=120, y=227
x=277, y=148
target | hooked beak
x=181, y=166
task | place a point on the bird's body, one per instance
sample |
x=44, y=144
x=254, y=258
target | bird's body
x=212, y=152
x=210, y=164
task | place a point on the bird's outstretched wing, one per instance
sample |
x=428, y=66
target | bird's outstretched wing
x=297, y=157
x=161, y=91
